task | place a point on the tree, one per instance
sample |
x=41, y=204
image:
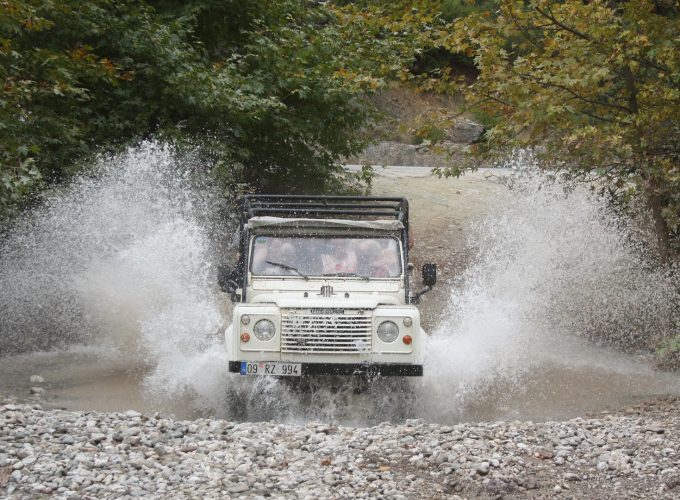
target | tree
x=593, y=87
x=270, y=90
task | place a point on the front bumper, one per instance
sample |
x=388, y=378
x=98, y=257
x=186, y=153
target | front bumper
x=370, y=369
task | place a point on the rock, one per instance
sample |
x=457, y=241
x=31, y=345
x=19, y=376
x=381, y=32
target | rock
x=238, y=488
x=396, y=153
x=529, y=483
x=655, y=428
x=67, y=440
x=498, y=486
x=544, y=454
x=672, y=481
x=37, y=390
x=98, y=455
x=465, y=132
x=36, y=379
x=97, y=438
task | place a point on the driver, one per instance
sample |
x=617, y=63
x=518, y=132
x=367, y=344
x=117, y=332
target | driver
x=273, y=250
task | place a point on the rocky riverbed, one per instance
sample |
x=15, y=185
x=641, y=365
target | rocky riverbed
x=633, y=453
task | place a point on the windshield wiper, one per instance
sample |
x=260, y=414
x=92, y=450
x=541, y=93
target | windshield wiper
x=286, y=267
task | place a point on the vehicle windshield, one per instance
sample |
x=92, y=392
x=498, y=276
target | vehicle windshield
x=364, y=257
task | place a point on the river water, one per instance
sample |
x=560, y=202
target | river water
x=108, y=295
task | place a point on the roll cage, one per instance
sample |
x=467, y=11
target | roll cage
x=361, y=208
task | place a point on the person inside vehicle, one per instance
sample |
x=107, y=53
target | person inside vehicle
x=340, y=257
x=369, y=257
x=389, y=258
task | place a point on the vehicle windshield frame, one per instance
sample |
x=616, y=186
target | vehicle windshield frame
x=380, y=260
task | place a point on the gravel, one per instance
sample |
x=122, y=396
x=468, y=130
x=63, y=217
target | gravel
x=633, y=453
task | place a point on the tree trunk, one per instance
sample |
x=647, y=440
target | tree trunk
x=660, y=225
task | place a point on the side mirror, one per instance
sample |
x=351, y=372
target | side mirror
x=429, y=274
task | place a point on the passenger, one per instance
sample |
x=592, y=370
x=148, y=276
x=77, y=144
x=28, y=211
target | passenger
x=340, y=258
x=282, y=254
x=369, y=256
x=268, y=250
x=390, y=258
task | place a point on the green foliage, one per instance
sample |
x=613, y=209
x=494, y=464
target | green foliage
x=270, y=90
x=594, y=87
x=590, y=87
x=455, y=9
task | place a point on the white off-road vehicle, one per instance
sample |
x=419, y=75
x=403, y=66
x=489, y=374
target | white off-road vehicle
x=322, y=288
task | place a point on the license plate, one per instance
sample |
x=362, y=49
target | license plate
x=275, y=368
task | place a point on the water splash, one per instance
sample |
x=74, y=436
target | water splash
x=556, y=276
x=122, y=260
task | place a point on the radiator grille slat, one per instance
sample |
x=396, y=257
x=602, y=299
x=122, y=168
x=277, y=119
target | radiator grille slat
x=304, y=332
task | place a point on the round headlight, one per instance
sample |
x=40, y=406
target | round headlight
x=264, y=330
x=388, y=331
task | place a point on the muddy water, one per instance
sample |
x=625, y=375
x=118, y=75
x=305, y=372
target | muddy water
x=82, y=379
x=514, y=319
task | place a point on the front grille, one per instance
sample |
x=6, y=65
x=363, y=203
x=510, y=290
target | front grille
x=304, y=332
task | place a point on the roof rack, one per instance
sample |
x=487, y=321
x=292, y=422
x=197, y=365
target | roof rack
x=321, y=207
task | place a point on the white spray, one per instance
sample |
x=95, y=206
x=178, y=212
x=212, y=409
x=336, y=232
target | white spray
x=555, y=276
x=123, y=261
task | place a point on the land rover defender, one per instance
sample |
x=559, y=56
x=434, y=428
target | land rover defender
x=322, y=287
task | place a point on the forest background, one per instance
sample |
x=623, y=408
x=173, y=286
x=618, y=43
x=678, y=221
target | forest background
x=275, y=94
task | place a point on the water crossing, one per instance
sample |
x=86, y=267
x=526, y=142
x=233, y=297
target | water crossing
x=109, y=294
